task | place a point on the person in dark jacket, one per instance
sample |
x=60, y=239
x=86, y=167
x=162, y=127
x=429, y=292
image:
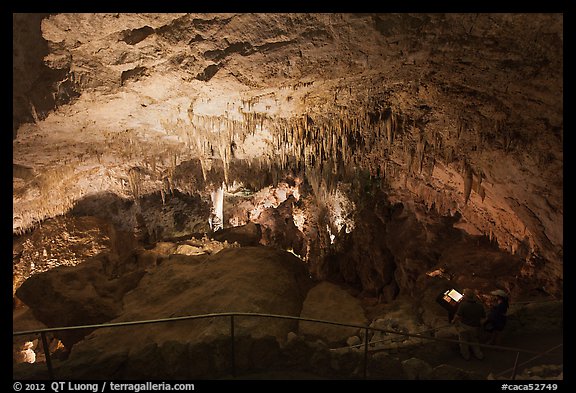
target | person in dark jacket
x=468, y=319
x=496, y=319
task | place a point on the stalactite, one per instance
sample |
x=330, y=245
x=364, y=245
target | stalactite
x=449, y=154
x=222, y=150
x=393, y=126
x=409, y=159
x=170, y=179
x=477, y=185
x=468, y=177
x=203, y=167
x=432, y=166
x=345, y=147
x=482, y=193
x=420, y=146
x=135, y=181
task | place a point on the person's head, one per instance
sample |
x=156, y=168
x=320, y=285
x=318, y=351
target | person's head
x=500, y=295
x=469, y=293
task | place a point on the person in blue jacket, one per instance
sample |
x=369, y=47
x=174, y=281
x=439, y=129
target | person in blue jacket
x=496, y=318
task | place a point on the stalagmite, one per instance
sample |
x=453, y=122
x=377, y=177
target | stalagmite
x=216, y=219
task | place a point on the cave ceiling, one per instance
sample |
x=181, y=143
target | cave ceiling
x=459, y=112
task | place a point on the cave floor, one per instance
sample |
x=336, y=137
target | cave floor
x=495, y=361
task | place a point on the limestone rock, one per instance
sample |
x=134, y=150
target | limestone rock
x=383, y=366
x=278, y=227
x=410, y=143
x=344, y=361
x=535, y=317
x=245, y=235
x=446, y=372
x=165, y=248
x=76, y=295
x=542, y=372
x=185, y=249
x=353, y=340
x=417, y=369
x=135, y=118
x=248, y=279
x=329, y=302
x=62, y=241
x=366, y=258
x=291, y=337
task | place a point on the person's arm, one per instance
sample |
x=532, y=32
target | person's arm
x=456, y=316
x=484, y=316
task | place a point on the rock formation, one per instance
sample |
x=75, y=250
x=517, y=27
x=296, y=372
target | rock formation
x=392, y=154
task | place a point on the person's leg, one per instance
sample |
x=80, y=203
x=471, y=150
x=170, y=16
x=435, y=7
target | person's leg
x=492, y=337
x=474, y=338
x=487, y=332
x=463, y=337
x=496, y=337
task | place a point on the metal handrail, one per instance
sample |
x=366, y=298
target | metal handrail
x=516, y=365
x=246, y=314
x=388, y=339
x=536, y=301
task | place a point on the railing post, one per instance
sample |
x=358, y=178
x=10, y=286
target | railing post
x=515, y=366
x=365, y=352
x=47, y=354
x=232, y=359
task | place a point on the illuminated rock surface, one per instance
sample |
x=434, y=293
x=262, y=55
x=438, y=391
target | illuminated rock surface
x=378, y=148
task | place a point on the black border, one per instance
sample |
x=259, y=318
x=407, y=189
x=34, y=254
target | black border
x=353, y=6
